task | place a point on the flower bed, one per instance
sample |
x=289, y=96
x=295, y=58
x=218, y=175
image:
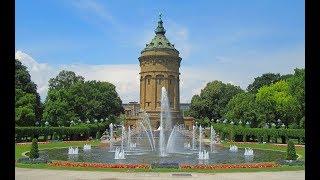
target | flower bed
x=98, y=165
x=229, y=166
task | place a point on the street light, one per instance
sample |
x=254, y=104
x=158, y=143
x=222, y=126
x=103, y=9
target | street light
x=46, y=123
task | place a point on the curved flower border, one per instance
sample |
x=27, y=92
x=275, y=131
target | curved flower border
x=229, y=166
x=98, y=165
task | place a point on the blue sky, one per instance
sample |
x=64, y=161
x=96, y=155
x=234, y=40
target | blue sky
x=233, y=41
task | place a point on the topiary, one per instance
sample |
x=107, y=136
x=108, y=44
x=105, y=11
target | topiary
x=291, y=151
x=54, y=136
x=34, y=152
x=98, y=135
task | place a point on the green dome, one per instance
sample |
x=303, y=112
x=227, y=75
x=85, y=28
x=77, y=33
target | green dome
x=159, y=41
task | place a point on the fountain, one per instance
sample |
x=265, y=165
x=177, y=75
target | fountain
x=203, y=154
x=212, y=138
x=148, y=136
x=146, y=121
x=86, y=147
x=165, y=125
x=119, y=154
x=111, y=136
x=233, y=148
x=73, y=151
x=187, y=145
x=193, y=137
x=248, y=152
x=123, y=134
x=200, y=138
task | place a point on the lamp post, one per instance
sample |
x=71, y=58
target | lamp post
x=46, y=123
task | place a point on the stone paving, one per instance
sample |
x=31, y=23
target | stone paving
x=47, y=174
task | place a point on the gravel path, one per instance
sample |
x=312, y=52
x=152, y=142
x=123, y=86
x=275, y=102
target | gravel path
x=46, y=174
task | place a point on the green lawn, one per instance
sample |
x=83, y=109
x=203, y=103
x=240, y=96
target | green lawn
x=19, y=149
x=299, y=150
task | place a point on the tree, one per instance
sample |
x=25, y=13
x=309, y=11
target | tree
x=276, y=102
x=24, y=108
x=213, y=99
x=263, y=80
x=297, y=89
x=64, y=79
x=34, y=152
x=291, y=151
x=81, y=100
x=28, y=106
x=242, y=107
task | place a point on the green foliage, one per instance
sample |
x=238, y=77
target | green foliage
x=54, y=136
x=34, y=152
x=27, y=101
x=73, y=132
x=297, y=90
x=260, y=134
x=263, y=80
x=291, y=151
x=65, y=79
x=72, y=99
x=276, y=102
x=212, y=100
x=98, y=135
x=243, y=107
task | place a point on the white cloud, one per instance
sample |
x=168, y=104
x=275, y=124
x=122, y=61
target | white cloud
x=240, y=70
x=40, y=72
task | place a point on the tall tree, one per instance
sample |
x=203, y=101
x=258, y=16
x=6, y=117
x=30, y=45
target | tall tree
x=243, y=107
x=28, y=106
x=213, y=99
x=64, y=79
x=81, y=100
x=276, y=101
x=297, y=89
x=263, y=80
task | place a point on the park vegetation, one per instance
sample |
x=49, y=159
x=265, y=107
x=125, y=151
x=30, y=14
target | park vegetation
x=75, y=108
x=271, y=99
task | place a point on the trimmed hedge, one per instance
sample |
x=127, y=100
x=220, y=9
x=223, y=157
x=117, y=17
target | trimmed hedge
x=73, y=133
x=261, y=134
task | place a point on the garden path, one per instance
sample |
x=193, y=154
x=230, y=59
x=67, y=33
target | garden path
x=40, y=174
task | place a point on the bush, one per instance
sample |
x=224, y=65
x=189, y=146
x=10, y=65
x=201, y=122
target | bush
x=291, y=151
x=73, y=132
x=261, y=134
x=54, y=136
x=34, y=152
x=98, y=135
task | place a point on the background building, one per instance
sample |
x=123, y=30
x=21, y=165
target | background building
x=159, y=67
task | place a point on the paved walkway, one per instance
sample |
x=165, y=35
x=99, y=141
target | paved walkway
x=46, y=174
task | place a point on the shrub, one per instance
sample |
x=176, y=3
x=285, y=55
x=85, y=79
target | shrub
x=98, y=135
x=54, y=136
x=60, y=132
x=261, y=134
x=34, y=152
x=291, y=151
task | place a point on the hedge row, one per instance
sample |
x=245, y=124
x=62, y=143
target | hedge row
x=75, y=132
x=241, y=133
